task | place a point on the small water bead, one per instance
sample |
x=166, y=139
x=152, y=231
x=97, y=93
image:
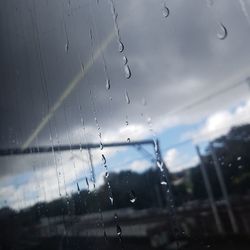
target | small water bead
x=107, y=84
x=223, y=34
x=82, y=67
x=120, y=46
x=101, y=146
x=156, y=147
x=87, y=183
x=105, y=236
x=128, y=140
x=165, y=10
x=125, y=60
x=127, y=97
x=67, y=46
x=160, y=164
x=239, y=158
x=104, y=159
x=111, y=200
x=127, y=71
x=164, y=182
x=118, y=230
x=91, y=34
x=78, y=188
x=106, y=174
x=132, y=196
x=126, y=122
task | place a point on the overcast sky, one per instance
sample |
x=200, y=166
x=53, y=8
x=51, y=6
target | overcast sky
x=57, y=55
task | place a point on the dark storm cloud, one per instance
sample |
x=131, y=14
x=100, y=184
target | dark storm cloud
x=173, y=61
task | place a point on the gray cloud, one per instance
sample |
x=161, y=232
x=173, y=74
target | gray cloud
x=173, y=60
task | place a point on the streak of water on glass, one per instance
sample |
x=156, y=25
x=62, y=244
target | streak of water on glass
x=164, y=177
x=96, y=120
x=69, y=140
x=119, y=40
x=127, y=97
x=94, y=111
x=87, y=183
x=43, y=78
x=66, y=34
x=244, y=10
x=78, y=188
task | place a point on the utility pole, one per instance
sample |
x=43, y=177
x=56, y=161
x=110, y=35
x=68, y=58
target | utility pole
x=210, y=194
x=224, y=189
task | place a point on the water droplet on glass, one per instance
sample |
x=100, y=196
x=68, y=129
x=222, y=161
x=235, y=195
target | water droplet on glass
x=125, y=60
x=164, y=182
x=82, y=67
x=87, y=182
x=239, y=158
x=107, y=84
x=127, y=71
x=111, y=200
x=223, y=34
x=106, y=174
x=121, y=46
x=128, y=140
x=126, y=122
x=105, y=236
x=78, y=188
x=101, y=146
x=118, y=230
x=132, y=196
x=127, y=97
x=160, y=164
x=104, y=159
x=67, y=46
x=165, y=11
x=115, y=216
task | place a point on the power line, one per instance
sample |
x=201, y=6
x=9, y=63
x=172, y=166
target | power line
x=208, y=97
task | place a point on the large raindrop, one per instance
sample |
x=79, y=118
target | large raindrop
x=223, y=32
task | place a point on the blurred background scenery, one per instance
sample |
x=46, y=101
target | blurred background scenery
x=124, y=124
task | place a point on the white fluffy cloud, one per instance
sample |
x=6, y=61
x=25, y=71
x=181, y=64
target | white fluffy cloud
x=177, y=161
x=139, y=166
x=220, y=123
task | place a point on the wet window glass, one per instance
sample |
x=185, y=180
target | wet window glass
x=124, y=124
